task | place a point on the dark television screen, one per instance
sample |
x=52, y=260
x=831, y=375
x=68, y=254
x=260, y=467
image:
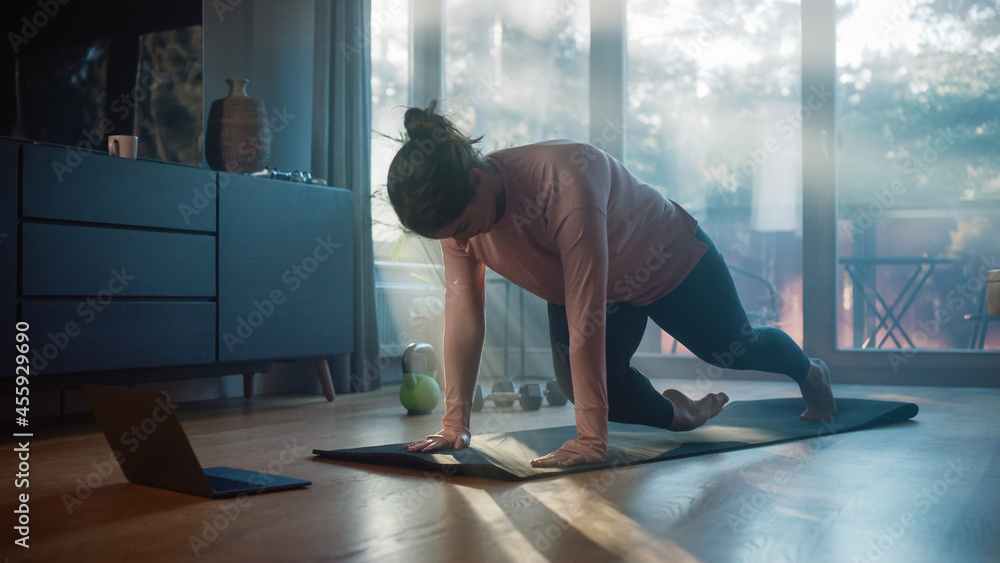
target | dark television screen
x=76, y=72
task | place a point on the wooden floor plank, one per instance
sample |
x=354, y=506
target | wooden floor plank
x=925, y=490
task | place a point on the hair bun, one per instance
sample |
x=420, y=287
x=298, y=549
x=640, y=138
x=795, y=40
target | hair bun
x=427, y=123
x=421, y=123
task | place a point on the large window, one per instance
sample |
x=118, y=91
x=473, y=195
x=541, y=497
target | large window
x=918, y=173
x=714, y=122
x=841, y=153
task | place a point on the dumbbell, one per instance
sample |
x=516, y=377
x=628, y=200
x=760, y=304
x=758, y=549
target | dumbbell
x=529, y=395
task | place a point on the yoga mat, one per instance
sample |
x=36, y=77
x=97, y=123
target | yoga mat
x=742, y=424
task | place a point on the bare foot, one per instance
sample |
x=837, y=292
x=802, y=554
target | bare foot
x=816, y=392
x=690, y=414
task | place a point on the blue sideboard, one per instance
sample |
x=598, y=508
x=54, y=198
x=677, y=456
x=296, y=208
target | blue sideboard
x=125, y=267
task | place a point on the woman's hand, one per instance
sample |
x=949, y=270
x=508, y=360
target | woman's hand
x=436, y=442
x=559, y=458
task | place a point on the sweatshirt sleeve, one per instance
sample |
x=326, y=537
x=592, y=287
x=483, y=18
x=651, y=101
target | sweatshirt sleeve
x=464, y=332
x=581, y=237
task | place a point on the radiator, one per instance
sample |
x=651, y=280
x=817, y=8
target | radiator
x=405, y=313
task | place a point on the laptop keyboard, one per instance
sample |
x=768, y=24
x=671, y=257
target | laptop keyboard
x=223, y=484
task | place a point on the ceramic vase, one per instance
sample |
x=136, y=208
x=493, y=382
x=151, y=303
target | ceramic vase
x=238, y=139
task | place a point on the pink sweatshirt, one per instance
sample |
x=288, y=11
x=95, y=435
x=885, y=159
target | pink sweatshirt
x=579, y=230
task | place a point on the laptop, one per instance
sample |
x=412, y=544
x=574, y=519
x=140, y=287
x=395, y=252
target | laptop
x=152, y=449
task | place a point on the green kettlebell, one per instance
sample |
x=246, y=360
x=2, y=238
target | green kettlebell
x=419, y=393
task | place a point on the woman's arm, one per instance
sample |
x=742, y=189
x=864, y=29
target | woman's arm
x=583, y=244
x=464, y=332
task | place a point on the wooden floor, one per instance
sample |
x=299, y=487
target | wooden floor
x=926, y=490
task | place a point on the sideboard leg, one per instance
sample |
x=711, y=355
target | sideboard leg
x=248, y=385
x=323, y=373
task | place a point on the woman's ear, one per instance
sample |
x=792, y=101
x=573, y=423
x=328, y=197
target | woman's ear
x=475, y=177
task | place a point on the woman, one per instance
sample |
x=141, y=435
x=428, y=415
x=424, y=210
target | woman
x=570, y=224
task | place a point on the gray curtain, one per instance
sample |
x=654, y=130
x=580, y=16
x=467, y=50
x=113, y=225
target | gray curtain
x=343, y=71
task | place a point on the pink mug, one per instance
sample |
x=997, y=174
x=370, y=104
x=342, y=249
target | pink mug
x=125, y=146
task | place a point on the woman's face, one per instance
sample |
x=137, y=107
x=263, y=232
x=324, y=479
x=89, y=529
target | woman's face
x=479, y=217
x=482, y=213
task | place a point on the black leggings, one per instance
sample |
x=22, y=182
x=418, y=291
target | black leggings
x=704, y=314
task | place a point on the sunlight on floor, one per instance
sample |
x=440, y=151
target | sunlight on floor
x=596, y=519
x=510, y=540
